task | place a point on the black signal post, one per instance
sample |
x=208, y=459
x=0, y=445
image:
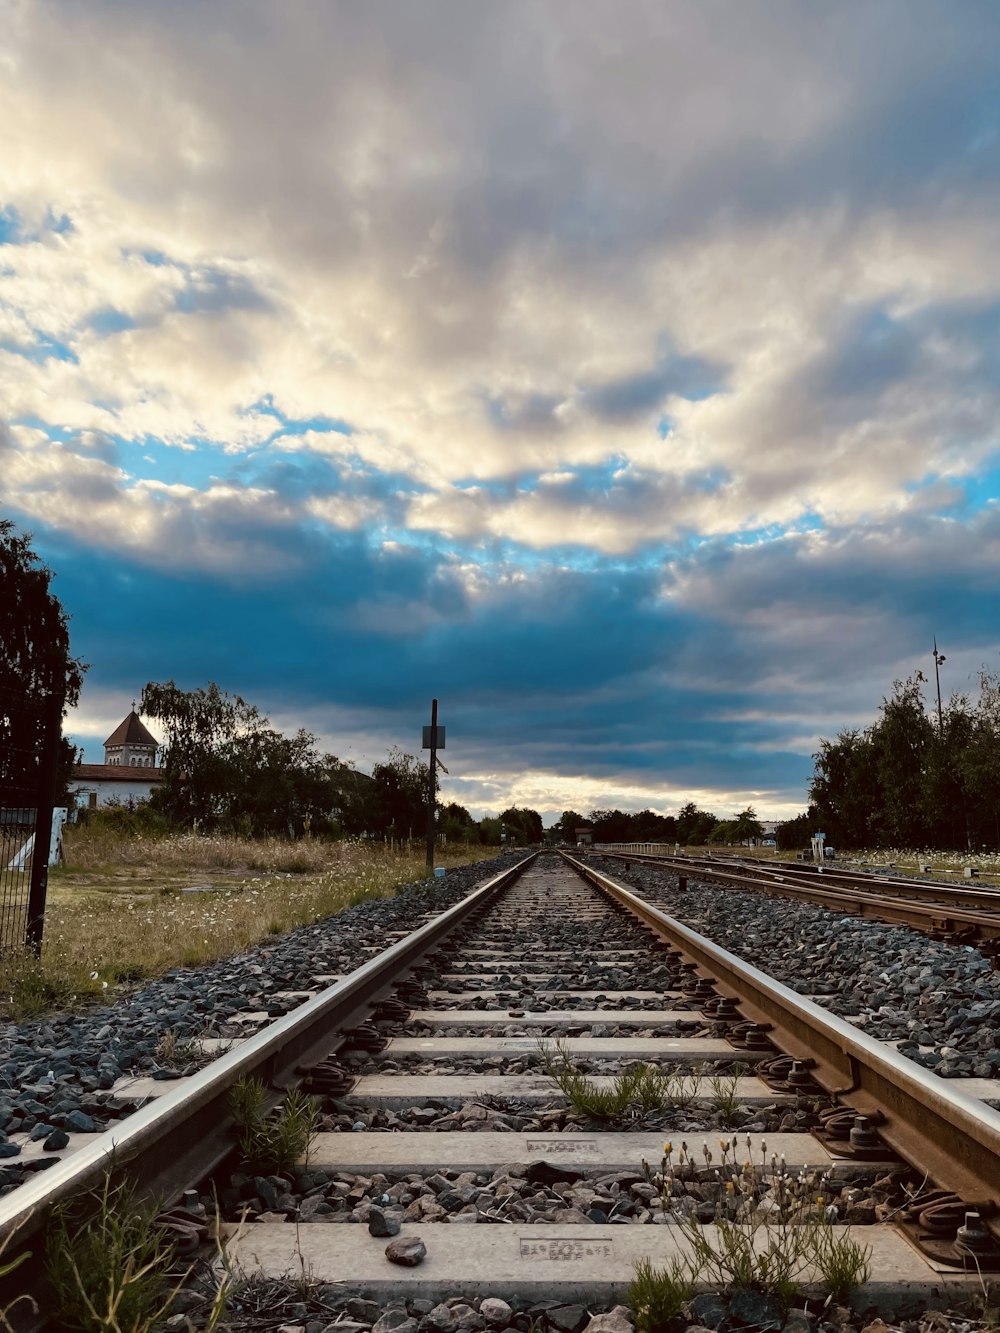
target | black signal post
x=433, y=741
x=938, y=659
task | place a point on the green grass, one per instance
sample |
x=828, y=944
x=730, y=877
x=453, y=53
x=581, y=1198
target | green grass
x=109, y=1264
x=643, y=1088
x=112, y=1262
x=272, y=1143
x=658, y=1295
x=770, y=1230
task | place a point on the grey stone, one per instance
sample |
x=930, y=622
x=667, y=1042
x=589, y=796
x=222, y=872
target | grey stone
x=547, y=1173
x=383, y=1224
x=441, y=1319
x=710, y=1308
x=756, y=1309
x=313, y=1207
x=394, y=1318
x=496, y=1312
x=267, y=1193
x=568, y=1318
x=366, y=1312
x=79, y=1122
x=618, y=1320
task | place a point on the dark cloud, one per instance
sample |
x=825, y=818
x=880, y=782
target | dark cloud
x=871, y=353
x=632, y=395
x=213, y=290
x=724, y=686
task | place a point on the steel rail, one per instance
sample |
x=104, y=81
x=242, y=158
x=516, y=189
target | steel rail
x=938, y=1129
x=857, y=900
x=968, y=896
x=184, y=1134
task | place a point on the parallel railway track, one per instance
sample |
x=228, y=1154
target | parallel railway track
x=965, y=913
x=553, y=949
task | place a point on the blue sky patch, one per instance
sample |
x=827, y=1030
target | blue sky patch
x=10, y=226
x=108, y=321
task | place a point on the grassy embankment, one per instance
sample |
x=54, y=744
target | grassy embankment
x=122, y=908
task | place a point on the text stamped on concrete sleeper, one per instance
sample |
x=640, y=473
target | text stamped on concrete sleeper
x=566, y=1249
x=562, y=1147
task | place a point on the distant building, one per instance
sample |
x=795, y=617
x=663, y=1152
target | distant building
x=584, y=837
x=768, y=836
x=129, y=773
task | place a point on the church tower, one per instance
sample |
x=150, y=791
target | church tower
x=130, y=744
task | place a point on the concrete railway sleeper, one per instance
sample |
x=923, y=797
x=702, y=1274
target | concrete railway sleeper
x=490, y=1088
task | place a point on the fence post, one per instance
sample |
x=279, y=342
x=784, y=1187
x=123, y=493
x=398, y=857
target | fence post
x=44, y=801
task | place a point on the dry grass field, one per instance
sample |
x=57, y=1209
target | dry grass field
x=130, y=906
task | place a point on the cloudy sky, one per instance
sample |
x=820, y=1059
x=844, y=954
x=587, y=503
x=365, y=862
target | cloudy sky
x=625, y=374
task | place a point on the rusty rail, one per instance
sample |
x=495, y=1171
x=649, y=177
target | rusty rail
x=965, y=915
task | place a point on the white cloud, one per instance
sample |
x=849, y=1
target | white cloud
x=455, y=233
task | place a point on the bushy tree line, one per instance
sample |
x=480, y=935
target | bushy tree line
x=904, y=781
x=226, y=768
x=691, y=826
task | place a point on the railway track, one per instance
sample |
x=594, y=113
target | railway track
x=438, y=1062
x=966, y=913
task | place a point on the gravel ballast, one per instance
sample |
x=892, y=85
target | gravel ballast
x=939, y=1002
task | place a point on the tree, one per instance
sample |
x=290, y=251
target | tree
x=902, y=737
x=951, y=773
x=979, y=765
x=227, y=767
x=569, y=822
x=648, y=826
x=456, y=824
x=399, y=796
x=198, y=778
x=35, y=659
x=794, y=834
x=694, y=826
x=747, y=828
x=523, y=825
x=907, y=781
x=846, y=791
x=721, y=832
x=489, y=831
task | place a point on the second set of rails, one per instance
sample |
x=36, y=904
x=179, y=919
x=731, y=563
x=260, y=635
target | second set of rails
x=555, y=952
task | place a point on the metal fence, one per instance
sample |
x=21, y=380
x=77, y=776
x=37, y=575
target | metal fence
x=30, y=734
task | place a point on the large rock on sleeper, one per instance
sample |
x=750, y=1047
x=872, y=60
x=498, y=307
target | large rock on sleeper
x=408, y=1251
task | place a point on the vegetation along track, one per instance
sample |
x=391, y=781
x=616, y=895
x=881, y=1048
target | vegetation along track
x=491, y=1085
